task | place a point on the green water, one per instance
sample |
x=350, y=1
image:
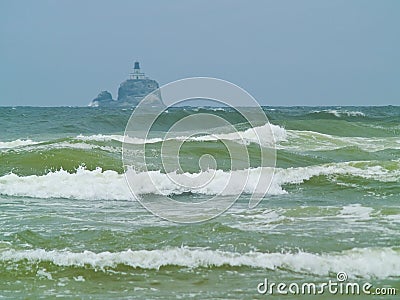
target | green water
x=70, y=227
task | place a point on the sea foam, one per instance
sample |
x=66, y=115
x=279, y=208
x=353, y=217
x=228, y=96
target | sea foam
x=16, y=143
x=358, y=262
x=264, y=135
x=340, y=113
x=98, y=184
x=303, y=140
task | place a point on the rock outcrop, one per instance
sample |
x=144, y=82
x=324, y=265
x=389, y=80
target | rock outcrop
x=131, y=92
x=103, y=99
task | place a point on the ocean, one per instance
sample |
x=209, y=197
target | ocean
x=71, y=228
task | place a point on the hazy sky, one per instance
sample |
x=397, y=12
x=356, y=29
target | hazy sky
x=282, y=52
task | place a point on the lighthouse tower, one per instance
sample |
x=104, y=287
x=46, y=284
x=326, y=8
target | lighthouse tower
x=136, y=74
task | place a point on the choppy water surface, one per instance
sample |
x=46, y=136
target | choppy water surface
x=70, y=227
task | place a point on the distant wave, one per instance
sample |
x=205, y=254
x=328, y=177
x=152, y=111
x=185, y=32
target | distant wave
x=99, y=184
x=298, y=140
x=16, y=143
x=250, y=135
x=101, y=137
x=285, y=139
x=20, y=146
x=261, y=219
x=358, y=262
x=339, y=113
x=302, y=140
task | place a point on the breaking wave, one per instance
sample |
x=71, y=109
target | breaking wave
x=251, y=135
x=16, y=143
x=302, y=140
x=339, y=113
x=360, y=262
x=98, y=184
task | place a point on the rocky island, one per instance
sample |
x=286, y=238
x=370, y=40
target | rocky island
x=131, y=92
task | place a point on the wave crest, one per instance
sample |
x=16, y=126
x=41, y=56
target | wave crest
x=110, y=185
x=339, y=113
x=364, y=262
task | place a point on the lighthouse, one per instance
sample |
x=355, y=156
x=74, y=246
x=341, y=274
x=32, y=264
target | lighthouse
x=136, y=74
x=132, y=91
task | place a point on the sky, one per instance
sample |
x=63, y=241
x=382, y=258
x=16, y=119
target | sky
x=294, y=53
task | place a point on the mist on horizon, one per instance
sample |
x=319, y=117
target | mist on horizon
x=284, y=53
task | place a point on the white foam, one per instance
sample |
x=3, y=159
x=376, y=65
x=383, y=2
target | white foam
x=364, y=262
x=17, y=143
x=299, y=140
x=82, y=146
x=356, y=211
x=366, y=169
x=39, y=145
x=101, y=137
x=98, y=184
x=119, y=138
x=339, y=113
x=261, y=135
x=42, y=146
x=83, y=184
x=303, y=140
x=266, y=135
